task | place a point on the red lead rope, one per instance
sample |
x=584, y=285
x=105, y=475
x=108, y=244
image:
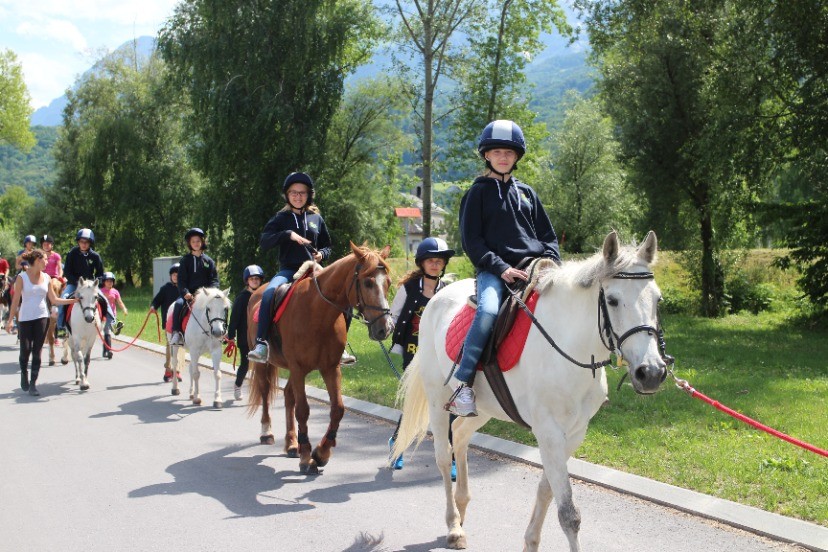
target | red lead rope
x=134, y=339
x=683, y=384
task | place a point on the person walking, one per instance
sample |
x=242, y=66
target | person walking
x=252, y=278
x=31, y=290
x=113, y=297
x=165, y=297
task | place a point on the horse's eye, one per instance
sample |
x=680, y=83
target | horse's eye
x=369, y=284
x=613, y=302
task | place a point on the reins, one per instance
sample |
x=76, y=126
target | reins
x=134, y=339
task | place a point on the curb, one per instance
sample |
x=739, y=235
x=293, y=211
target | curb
x=774, y=526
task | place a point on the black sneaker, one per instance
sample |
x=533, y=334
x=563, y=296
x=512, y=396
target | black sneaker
x=116, y=329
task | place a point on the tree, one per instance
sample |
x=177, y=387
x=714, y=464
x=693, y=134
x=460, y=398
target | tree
x=685, y=110
x=426, y=29
x=264, y=80
x=585, y=192
x=123, y=169
x=15, y=205
x=14, y=104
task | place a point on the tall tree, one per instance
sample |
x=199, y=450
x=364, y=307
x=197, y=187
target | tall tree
x=426, y=29
x=684, y=111
x=264, y=79
x=14, y=104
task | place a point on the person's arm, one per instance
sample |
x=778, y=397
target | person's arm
x=70, y=273
x=323, y=241
x=236, y=314
x=121, y=304
x=155, y=304
x=471, y=233
x=18, y=290
x=398, y=303
x=54, y=299
x=543, y=227
x=183, y=278
x=274, y=233
x=214, y=279
x=59, y=266
x=98, y=269
x=18, y=262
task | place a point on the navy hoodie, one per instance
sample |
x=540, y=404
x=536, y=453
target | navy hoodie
x=308, y=225
x=503, y=223
x=196, y=272
x=79, y=265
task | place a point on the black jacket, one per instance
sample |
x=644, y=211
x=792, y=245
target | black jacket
x=79, y=265
x=238, y=316
x=195, y=273
x=165, y=297
x=503, y=223
x=308, y=225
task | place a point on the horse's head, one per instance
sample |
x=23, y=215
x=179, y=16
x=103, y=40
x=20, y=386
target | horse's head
x=628, y=311
x=87, y=295
x=369, y=291
x=216, y=306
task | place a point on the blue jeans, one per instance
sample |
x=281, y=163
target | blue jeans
x=68, y=291
x=490, y=292
x=283, y=276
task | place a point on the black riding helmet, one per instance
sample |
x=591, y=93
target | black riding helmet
x=298, y=178
x=196, y=232
x=502, y=134
x=433, y=248
x=174, y=268
x=47, y=239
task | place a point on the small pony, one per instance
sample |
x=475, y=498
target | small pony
x=83, y=329
x=57, y=286
x=205, y=331
x=605, y=304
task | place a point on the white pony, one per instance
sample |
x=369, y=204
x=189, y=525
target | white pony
x=82, y=331
x=205, y=330
x=554, y=396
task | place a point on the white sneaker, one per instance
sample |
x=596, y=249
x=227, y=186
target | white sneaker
x=237, y=393
x=463, y=402
x=347, y=359
x=259, y=353
x=177, y=339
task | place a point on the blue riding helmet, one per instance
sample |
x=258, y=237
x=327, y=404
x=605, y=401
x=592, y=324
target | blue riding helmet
x=29, y=239
x=85, y=233
x=174, y=268
x=109, y=276
x=299, y=178
x=431, y=248
x=502, y=134
x=252, y=270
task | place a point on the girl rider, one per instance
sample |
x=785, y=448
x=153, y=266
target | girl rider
x=165, y=297
x=29, y=243
x=113, y=297
x=502, y=221
x=252, y=278
x=196, y=271
x=295, y=229
x=54, y=267
x=82, y=262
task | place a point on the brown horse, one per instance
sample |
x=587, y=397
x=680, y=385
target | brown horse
x=57, y=286
x=311, y=335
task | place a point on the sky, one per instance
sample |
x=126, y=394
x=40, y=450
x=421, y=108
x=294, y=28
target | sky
x=57, y=40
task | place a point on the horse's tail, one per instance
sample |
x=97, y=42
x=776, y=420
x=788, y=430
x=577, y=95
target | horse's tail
x=263, y=386
x=415, y=414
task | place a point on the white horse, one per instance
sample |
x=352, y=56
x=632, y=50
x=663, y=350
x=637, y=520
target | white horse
x=554, y=396
x=85, y=322
x=205, y=331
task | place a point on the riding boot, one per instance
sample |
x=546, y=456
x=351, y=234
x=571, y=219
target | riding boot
x=24, y=378
x=107, y=353
x=32, y=387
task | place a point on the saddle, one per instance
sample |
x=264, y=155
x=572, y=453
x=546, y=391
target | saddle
x=505, y=344
x=282, y=296
x=185, y=319
x=67, y=313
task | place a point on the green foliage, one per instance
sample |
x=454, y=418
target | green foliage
x=14, y=104
x=34, y=170
x=15, y=205
x=264, y=80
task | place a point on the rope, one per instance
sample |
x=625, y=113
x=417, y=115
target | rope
x=231, y=349
x=134, y=339
x=685, y=385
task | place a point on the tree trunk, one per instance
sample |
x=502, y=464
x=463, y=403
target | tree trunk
x=428, y=116
x=490, y=114
x=711, y=271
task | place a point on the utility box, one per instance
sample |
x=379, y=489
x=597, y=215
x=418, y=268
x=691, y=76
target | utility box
x=161, y=271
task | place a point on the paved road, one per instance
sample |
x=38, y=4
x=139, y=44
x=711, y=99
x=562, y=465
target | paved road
x=126, y=466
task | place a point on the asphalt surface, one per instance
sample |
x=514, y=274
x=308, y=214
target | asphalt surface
x=127, y=466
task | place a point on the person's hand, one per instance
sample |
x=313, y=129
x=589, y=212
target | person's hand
x=188, y=297
x=126, y=312
x=512, y=274
x=152, y=310
x=298, y=239
x=9, y=326
x=317, y=257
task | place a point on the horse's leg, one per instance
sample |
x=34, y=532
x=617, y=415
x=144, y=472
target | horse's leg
x=175, y=362
x=552, y=444
x=333, y=381
x=85, y=356
x=216, y=354
x=76, y=359
x=302, y=409
x=50, y=338
x=291, y=441
x=263, y=375
x=458, y=501
x=195, y=393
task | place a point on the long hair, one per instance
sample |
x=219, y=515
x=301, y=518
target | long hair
x=310, y=207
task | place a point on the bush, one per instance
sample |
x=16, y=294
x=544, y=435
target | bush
x=745, y=291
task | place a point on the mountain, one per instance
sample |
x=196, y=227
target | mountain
x=31, y=170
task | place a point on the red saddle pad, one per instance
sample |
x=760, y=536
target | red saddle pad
x=509, y=351
x=168, y=325
x=284, y=303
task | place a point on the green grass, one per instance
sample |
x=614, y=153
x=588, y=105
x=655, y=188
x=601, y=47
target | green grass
x=763, y=366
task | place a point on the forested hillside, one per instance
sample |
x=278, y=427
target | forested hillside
x=32, y=170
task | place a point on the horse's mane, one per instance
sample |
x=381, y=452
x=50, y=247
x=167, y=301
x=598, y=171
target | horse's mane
x=371, y=260
x=586, y=272
x=203, y=295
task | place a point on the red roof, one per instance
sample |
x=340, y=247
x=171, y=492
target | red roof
x=407, y=212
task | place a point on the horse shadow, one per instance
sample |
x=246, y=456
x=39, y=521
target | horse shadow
x=366, y=542
x=234, y=481
x=151, y=410
x=383, y=480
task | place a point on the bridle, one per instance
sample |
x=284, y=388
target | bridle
x=222, y=319
x=361, y=305
x=609, y=337
x=93, y=307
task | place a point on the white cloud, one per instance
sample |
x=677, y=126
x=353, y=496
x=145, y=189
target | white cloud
x=54, y=30
x=48, y=78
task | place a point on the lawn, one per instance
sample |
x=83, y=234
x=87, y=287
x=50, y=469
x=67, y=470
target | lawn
x=764, y=366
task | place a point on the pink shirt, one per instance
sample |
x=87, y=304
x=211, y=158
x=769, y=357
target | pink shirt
x=112, y=295
x=52, y=265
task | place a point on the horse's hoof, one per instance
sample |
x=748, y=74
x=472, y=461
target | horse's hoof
x=217, y=405
x=64, y=362
x=309, y=469
x=197, y=402
x=84, y=387
x=176, y=391
x=293, y=452
x=166, y=379
x=456, y=541
x=267, y=440
x=51, y=363
x=316, y=458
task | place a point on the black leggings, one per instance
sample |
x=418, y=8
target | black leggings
x=32, y=335
x=243, y=363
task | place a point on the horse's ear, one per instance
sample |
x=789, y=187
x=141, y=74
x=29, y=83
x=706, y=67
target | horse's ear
x=647, y=250
x=611, y=247
x=356, y=251
x=81, y=281
x=226, y=292
x=385, y=252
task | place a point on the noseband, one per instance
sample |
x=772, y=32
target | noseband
x=360, y=304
